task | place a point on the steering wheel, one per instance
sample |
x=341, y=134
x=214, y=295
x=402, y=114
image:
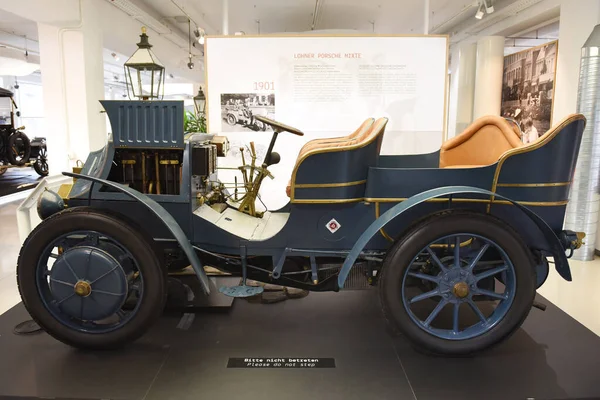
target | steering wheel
x=278, y=126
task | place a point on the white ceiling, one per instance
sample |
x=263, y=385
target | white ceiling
x=275, y=16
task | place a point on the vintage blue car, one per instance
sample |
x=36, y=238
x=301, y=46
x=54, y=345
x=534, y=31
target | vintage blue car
x=457, y=240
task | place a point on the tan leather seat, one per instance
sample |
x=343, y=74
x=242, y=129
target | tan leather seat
x=482, y=143
x=324, y=143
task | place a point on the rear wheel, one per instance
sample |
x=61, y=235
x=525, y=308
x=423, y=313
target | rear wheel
x=458, y=283
x=231, y=119
x=90, y=280
x=19, y=149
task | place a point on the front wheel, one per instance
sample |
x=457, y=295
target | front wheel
x=41, y=163
x=90, y=280
x=458, y=283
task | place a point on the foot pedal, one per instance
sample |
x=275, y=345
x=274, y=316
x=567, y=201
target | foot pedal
x=539, y=306
x=241, y=291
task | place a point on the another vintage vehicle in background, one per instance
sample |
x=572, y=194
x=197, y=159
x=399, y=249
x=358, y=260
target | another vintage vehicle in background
x=457, y=240
x=15, y=147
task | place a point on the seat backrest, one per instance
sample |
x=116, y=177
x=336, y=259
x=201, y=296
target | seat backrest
x=334, y=142
x=482, y=143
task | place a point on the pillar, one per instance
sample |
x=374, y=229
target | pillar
x=462, y=88
x=488, y=78
x=577, y=21
x=225, y=26
x=73, y=82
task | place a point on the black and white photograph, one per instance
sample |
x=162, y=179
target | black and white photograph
x=239, y=109
x=528, y=88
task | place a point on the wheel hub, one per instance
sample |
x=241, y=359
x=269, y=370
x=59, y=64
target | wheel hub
x=88, y=283
x=461, y=290
x=83, y=288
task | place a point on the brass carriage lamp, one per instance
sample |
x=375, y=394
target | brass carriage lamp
x=144, y=71
x=200, y=102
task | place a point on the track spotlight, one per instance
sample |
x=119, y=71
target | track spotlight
x=479, y=13
x=488, y=9
x=199, y=33
x=115, y=56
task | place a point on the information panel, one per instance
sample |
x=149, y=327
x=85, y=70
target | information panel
x=325, y=86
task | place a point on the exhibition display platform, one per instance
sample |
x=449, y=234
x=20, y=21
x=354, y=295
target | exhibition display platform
x=551, y=356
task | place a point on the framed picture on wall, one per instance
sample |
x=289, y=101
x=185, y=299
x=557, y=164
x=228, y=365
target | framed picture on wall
x=528, y=89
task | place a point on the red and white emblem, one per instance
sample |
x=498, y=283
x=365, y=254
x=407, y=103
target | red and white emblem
x=333, y=225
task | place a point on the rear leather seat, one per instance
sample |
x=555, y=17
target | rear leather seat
x=482, y=143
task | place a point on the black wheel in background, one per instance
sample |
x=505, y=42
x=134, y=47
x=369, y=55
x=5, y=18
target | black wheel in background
x=457, y=303
x=99, y=304
x=41, y=163
x=18, y=149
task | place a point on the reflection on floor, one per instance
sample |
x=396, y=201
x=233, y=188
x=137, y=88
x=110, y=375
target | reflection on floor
x=579, y=298
x=18, y=179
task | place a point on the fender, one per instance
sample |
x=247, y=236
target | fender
x=166, y=218
x=560, y=258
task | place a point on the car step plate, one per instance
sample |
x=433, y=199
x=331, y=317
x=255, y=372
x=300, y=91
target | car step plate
x=241, y=291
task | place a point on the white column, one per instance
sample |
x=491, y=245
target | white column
x=426, y=18
x=225, y=17
x=577, y=20
x=488, y=78
x=462, y=88
x=73, y=81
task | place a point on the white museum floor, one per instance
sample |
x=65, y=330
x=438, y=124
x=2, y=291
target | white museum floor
x=579, y=298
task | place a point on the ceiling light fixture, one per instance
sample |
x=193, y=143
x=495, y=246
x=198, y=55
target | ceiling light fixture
x=200, y=34
x=479, y=13
x=115, y=56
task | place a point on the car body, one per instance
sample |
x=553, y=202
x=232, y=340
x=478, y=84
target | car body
x=371, y=209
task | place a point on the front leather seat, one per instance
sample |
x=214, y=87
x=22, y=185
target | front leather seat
x=324, y=143
x=482, y=143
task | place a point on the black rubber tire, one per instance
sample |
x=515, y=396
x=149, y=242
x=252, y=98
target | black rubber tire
x=439, y=225
x=41, y=163
x=12, y=141
x=84, y=218
x=231, y=119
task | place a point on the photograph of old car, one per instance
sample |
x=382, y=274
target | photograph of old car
x=238, y=111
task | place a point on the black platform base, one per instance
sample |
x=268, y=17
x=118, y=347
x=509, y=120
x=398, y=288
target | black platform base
x=552, y=357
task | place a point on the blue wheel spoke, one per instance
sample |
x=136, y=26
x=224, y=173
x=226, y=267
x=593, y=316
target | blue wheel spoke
x=500, y=296
x=478, y=257
x=435, y=312
x=457, y=252
x=477, y=310
x=437, y=260
x=425, y=295
x=70, y=268
x=62, y=282
x=491, y=272
x=108, y=293
x=426, y=277
x=66, y=298
x=103, y=275
x=455, y=315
